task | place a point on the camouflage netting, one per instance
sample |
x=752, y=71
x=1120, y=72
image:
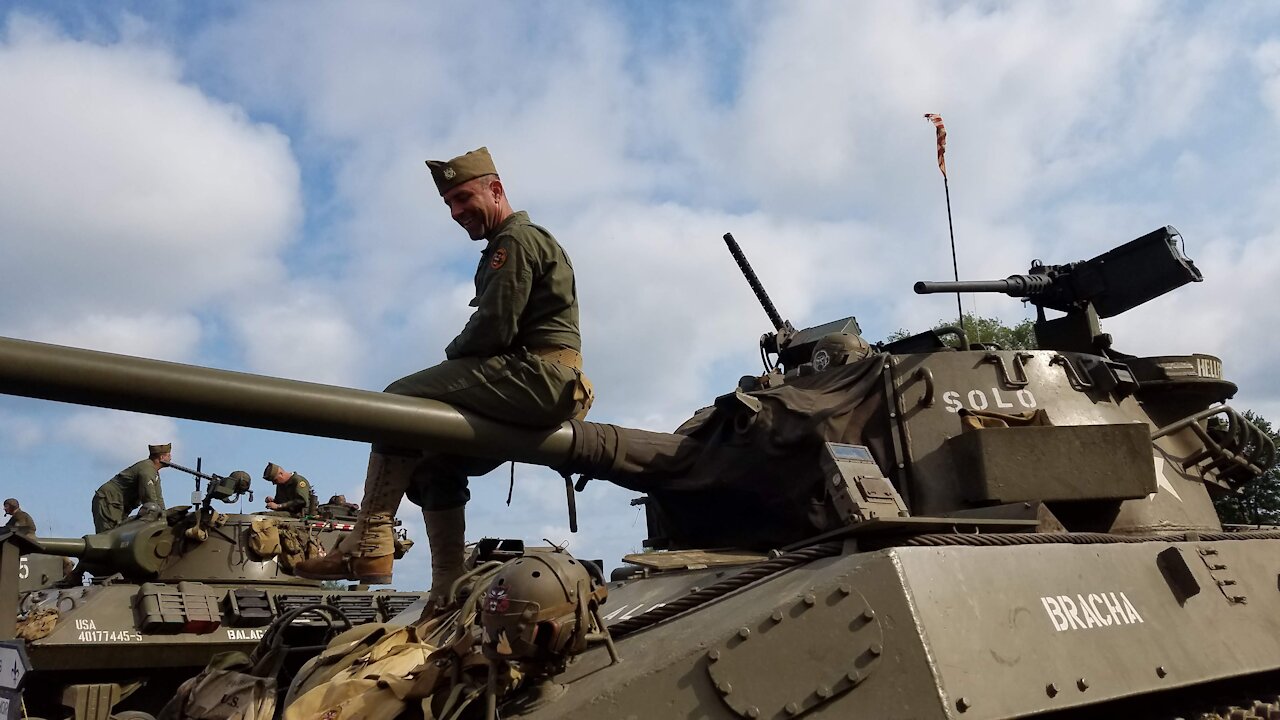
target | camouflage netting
x=38, y=625
x=745, y=472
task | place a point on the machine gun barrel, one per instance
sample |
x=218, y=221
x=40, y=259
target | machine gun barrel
x=189, y=471
x=87, y=377
x=740, y=258
x=1014, y=285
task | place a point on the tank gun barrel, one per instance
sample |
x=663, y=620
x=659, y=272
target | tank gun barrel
x=1014, y=286
x=121, y=382
x=65, y=547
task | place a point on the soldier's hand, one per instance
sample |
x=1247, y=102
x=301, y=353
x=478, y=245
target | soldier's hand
x=271, y=499
x=273, y=506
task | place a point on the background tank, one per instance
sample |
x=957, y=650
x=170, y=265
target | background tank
x=37, y=571
x=169, y=590
x=957, y=531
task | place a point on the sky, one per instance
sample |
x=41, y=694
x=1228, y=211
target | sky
x=241, y=185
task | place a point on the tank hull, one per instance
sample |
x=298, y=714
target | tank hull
x=101, y=638
x=946, y=632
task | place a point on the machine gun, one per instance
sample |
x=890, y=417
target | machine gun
x=793, y=347
x=1105, y=286
x=225, y=489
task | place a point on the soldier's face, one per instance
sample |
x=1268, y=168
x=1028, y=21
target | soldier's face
x=9, y=508
x=476, y=205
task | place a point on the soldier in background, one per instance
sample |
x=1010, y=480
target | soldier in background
x=294, y=497
x=19, y=521
x=338, y=508
x=136, y=485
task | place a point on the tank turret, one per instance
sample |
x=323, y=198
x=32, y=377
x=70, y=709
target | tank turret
x=154, y=547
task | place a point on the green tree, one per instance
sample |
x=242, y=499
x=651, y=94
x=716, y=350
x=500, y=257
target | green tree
x=1258, y=502
x=988, y=330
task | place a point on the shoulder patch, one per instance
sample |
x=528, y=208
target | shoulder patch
x=302, y=483
x=498, y=259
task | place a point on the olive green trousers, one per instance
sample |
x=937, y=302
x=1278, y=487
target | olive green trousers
x=519, y=388
x=107, y=508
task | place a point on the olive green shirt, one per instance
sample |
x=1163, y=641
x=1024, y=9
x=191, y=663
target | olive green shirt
x=525, y=294
x=21, y=522
x=136, y=485
x=294, y=496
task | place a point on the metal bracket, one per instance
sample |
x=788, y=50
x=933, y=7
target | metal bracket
x=1242, y=451
x=1222, y=576
x=925, y=374
x=1074, y=377
x=1019, y=362
x=900, y=440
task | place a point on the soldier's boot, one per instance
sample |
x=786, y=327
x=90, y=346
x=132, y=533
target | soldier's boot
x=446, y=533
x=368, y=551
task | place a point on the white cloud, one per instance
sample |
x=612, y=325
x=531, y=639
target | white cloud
x=149, y=334
x=1266, y=59
x=1035, y=96
x=299, y=334
x=20, y=433
x=124, y=189
x=118, y=437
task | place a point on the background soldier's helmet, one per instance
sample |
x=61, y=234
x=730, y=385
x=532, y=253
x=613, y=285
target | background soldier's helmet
x=835, y=349
x=540, y=608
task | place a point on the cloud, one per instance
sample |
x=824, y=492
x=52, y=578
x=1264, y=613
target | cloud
x=299, y=334
x=1266, y=59
x=20, y=433
x=126, y=190
x=119, y=437
x=149, y=334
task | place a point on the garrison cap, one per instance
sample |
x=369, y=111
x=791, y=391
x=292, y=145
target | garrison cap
x=449, y=174
x=160, y=449
x=270, y=473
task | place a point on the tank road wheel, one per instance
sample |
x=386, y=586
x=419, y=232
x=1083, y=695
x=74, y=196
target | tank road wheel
x=133, y=715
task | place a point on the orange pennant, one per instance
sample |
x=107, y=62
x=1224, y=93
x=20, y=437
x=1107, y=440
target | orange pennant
x=942, y=140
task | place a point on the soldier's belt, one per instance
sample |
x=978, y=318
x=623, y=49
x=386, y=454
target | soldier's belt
x=560, y=356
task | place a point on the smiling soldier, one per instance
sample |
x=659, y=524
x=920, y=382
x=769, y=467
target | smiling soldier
x=517, y=360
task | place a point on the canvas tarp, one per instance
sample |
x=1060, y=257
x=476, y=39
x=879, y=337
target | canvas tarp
x=744, y=472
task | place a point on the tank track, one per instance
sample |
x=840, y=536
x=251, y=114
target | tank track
x=1268, y=709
